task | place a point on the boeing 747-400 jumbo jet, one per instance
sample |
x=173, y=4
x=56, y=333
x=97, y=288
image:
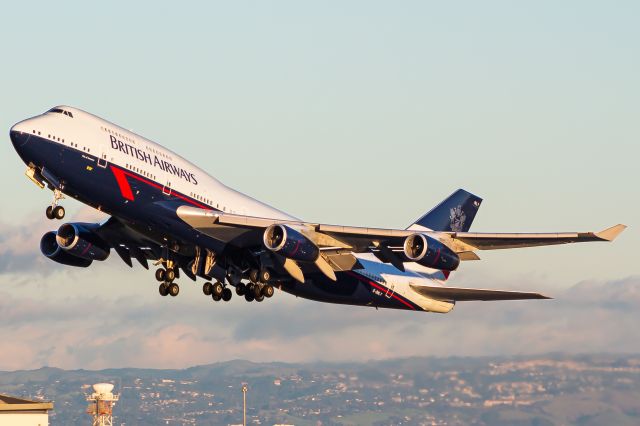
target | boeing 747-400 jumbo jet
x=166, y=210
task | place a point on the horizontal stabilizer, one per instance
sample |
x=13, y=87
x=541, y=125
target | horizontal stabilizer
x=469, y=294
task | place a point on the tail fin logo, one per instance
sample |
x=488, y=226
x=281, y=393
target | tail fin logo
x=457, y=218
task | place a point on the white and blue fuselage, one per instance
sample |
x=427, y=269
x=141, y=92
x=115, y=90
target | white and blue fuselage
x=141, y=183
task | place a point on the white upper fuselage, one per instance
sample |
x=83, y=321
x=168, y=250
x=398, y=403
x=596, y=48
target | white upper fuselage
x=89, y=133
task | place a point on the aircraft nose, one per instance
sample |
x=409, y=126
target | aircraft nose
x=18, y=134
x=13, y=133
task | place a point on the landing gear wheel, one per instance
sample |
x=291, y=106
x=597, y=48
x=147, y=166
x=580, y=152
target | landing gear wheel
x=260, y=298
x=49, y=212
x=257, y=291
x=170, y=275
x=249, y=297
x=216, y=298
x=226, y=294
x=254, y=275
x=160, y=275
x=217, y=289
x=58, y=212
x=163, y=289
x=265, y=275
x=174, y=289
x=206, y=288
x=241, y=289
x=267, y=291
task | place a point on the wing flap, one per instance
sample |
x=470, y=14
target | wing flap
x=470, y=294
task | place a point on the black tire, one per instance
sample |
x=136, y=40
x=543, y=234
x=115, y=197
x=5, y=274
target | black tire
x=170, y=275
x=226, y=294
x=260, y=298
x=268, y=291
x=217, y=289
x=249, y=297
x=163, y=289
x=216, y=298
x=254, y=275
x=174, y=289
x=257, y=291
x=241, y=289
x=206, y=288
x=160, y=275
x=265, y=275
x=58, y=212
x=49, y=212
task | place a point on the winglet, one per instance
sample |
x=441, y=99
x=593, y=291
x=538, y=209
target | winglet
x=612, y=233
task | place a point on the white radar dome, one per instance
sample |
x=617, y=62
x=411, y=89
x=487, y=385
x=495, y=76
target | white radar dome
x=103, y=388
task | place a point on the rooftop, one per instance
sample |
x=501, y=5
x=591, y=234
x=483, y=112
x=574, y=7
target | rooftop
x=11, y=403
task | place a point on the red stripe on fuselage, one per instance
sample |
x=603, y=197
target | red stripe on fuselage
x=122, y=174
x=380, y=287
x=121, y=178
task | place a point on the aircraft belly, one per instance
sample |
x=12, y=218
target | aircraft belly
x=350, y=289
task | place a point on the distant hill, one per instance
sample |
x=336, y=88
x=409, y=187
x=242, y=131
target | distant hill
x=552, y=389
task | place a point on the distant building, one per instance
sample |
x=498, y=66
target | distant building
x=23, y=412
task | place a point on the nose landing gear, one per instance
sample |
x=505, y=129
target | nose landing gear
x=54, y=211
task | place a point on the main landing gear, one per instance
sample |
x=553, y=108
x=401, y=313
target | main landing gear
x=217, y=291
x=166, y=277
x=54, y=211
x=258, y=288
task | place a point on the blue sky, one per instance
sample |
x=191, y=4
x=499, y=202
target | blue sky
x=364, y=113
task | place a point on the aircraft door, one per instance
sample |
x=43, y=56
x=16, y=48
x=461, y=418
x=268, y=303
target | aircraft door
x=102, y=160
x=390, y=290
x=166, y=189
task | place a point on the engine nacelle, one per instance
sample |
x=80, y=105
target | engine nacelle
x=50, y=248
x=288, y=242
x=79, y=240
x=429, y=252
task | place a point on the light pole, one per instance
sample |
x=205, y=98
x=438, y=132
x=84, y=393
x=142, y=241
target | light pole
x=244, y=405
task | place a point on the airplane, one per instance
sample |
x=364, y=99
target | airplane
x=165, y=210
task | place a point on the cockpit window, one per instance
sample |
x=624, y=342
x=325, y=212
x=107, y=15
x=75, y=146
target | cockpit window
x=61, y=111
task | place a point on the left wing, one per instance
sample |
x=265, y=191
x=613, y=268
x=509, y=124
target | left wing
x=485, y=241
x=388, y=245
x=227, y=227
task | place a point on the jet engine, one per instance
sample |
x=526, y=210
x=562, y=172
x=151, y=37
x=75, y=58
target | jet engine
x=80, y=240
x=429, y=252
x=288, y=242
x=50, y=248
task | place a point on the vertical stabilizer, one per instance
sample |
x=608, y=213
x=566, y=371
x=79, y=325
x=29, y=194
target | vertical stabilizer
x=455, y=213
